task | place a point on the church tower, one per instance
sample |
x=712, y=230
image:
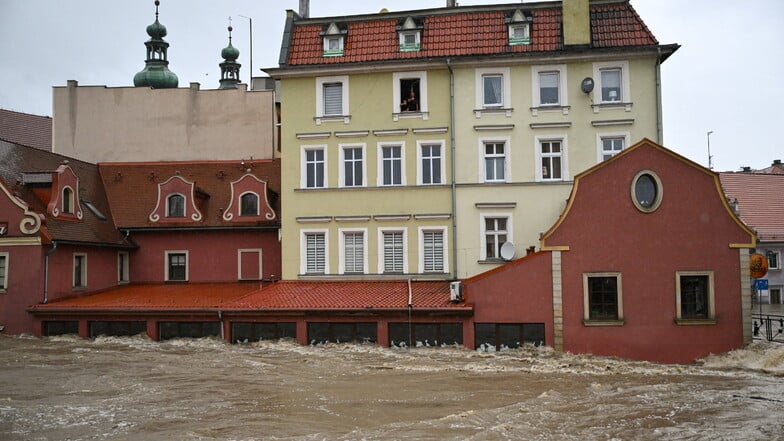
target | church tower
x=156, y=73
x=230, y=69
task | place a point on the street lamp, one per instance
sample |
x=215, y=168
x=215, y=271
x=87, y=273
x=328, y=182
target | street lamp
x=250, y=68
x=710, y=158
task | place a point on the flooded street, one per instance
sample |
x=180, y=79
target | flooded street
x=135, y=389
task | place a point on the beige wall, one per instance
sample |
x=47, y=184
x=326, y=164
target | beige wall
x=137, y=124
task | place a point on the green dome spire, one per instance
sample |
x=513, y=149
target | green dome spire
x=230, y=69
x=156, y=73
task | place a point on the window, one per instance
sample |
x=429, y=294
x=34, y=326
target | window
x=313, y=167
x=774, y=259
x=549, y=86
x=409, y=91
x=331, y=97
x=602, y=300
x=493, y=89
x=393, y=244
x=353, y=171
x=612, y=83
x=80, y=271
x=552, y=162
x=249, y=204
x=610, y=144
x=353, y=251
x=431, y=164
x=176, y=266
x=314, y=250
x=3, y=272
x=494, y=161
x=519, y=34
x=68, y=200
x=392, y=165
x=646, y=191
x=123, y=266
x=694, y=296
x=409, y=41
x=496, y=233
x=433, y=253
x=333, y=41
x=175, y=205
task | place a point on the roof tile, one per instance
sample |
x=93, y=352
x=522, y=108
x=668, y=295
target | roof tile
x=760, y=199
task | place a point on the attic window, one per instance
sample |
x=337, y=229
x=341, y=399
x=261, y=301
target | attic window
x=68, y=200
x=333, y=41
x=175, y=206
x=519, y=29
x=410, y=35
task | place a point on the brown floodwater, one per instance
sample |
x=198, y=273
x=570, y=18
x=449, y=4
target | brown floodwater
x=62, y=388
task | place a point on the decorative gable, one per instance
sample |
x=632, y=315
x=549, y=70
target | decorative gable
x=410, y=35
x=25, y=221
x=64, y=203
x=176, y=201
x=334, y=40
x=249, y=202
x=519, y=28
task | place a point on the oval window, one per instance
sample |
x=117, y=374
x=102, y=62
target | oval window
x=646, y=191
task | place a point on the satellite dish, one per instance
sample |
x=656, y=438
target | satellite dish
x=587, y=85
x=507, y=251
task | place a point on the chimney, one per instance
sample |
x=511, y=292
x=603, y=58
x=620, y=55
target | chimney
x=576, y=22
x=451, y=3
x=777, y=163
x=746, y=169
x=304, y=8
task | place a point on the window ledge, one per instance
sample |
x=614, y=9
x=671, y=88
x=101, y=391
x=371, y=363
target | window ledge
x=79, y=288
x=491, y=261
x=506, y=111
x=611, y=105
x=603, y=322
x=332, y=118
x=555, y=108
x=695, y=322
x=424, y=115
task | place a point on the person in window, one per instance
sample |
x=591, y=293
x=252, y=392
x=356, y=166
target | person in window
x=410, y=104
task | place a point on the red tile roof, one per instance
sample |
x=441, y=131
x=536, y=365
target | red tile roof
x=282, y=296
x=132, y=188
x=463, y=31
x=26, y=129
x=760, y=199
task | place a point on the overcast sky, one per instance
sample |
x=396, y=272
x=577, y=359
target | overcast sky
x=726, y=78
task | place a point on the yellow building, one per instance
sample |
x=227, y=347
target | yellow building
x=418, y=143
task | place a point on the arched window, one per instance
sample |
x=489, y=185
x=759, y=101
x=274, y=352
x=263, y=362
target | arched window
x=175, y=206
x=68, y=200
x=249, y=204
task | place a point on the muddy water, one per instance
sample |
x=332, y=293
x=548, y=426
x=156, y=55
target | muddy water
x=135, y=389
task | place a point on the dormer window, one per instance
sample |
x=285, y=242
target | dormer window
x=410, y=35
x=249, y=204
x=519, y=29
x=68, y=200
x=175, y=206
x=334, y=39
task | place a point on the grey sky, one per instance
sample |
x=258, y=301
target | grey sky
x=726, y=77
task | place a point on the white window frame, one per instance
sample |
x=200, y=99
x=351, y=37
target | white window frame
x=5, y=257
x=320, y=82
x=711, y=298
x=123, y=267
x=445, y=232
x=506, y=141
x=303, y=250
x=381, y=249
x=777, y=253
x=403, y=47
x=506, y=82
x=166, y=274
x=418, y=75
x=513, y=41
x=587, y=320
x=333, y=52
x=600, y=137
x=304, y=165
x=342, y=232
x=482, y=233
x=538, y=140
x=240, y=251
x=380, y=161
x=625, y=86
x=342, y=172
x=563, y=95
x=420, y=158
x=83, y=273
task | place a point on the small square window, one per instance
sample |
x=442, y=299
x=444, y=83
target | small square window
x=333, y=46
x=611, y=146
x=409, y=41
x=519, y=34
x=176, y=266
x=602, y=299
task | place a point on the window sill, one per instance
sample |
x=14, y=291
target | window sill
x=492, y=261
x=345, y=119
x=79, y=288
x=611, y=106
x=506, y=111
x=592, y=323
x=424, y=115
x=695, y=322
x=554, y=108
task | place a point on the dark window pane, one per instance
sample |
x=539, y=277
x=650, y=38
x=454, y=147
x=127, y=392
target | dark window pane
x=694, y=297
x=645, y=191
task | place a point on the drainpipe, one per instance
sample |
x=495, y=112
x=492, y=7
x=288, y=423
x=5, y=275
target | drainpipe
x=452, y=163
x=46, y=271
x=659, y=128
x=410, y=310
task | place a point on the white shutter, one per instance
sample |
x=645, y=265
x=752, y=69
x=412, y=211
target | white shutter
x=315, y=253
x=354, y=252
x=434, y=251
x=393, y=252
x=333, y=99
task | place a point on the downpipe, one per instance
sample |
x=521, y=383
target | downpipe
x=46, y=271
